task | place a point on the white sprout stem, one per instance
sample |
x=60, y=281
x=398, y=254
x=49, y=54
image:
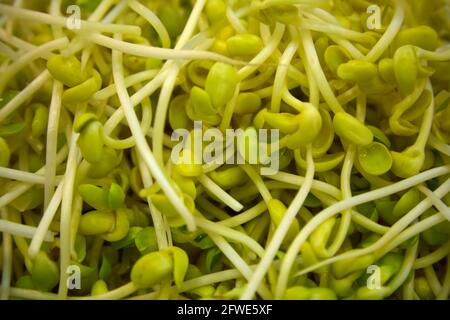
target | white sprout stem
x=368, y=224
x=30, y=56
x=264, y=54
x=101, y=10
x=24, y=95
x=445, y=291
x=52, y=137
x=280, y=75
x=66, y=215
x=245, y=216
x=324, y=16
x=217, y=277
x=191, y=24
x=443, y=148
x=239, y=263
x=417, y=228
x=19, y=43
x=383, y=245
x=336, y=30
x=7, y=261
x=157, y=218
x=346, y=181
x=115, y=12
x=221, y=194
x=148, y=89
x=118, y=293
x=161, y=113
x=32, y=294
x=442, y=55
x=405, y=269
x=258, y=181
x=21, y=230
x=314, y=93
x=10, y=53
x=350, y=47
x=141, y=143
x=153, y=20
x=319, y=75
x=229, y=110
x=296, y=245
x=232, y=234
x=356, y=216
x=397, y=20
x=55, y=6
x=433, y=280
x=132, y=80
x=19, y=190
x=158, y=53
x=427, y=122
x=23, y=176
x=282, y=230
x=46, y=220
x=299, y=180
x=438, y=203
x=433, y=257
x=89, y=26
x=234, y=21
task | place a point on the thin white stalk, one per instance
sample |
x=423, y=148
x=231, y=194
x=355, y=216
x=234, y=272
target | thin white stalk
x=118, y=293
x=158, y=221
x=24, y=95
x=234, y=21
x=433, y=257
x=245, y=216
x=281, y=230
x=23, y=176
x=232, y=234
x=153, y=20
x=161, y=112
x=30, y=56
x=397, y=20
x=438, y=203
x=221, y=194
x=130, y=81
x=264, y=54
x=21, y=230
x=89, y=26
x=46, y=220
x=142, y=145
x=52, y=141
x=319, y=75
x=66, y=215
x=7, y=261
x=296, y=180
x=339, y=207
x=239, y=263
x=157, y=53
x=280, y=75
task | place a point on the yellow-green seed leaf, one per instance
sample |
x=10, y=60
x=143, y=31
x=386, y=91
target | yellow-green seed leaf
x=151, y=269
x=349, y=128
x=221, y=83
x=244, y=45
x=96, y=222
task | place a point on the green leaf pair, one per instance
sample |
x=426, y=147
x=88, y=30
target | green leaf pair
x=154, y=267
